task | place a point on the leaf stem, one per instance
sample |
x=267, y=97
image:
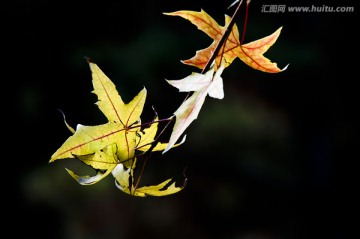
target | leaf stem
x=245, y=22
x=141, y=173
x=148, y=152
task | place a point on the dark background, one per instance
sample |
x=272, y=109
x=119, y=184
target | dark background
x=274, y=159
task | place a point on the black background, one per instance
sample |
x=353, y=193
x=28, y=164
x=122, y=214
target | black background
x=274, y=159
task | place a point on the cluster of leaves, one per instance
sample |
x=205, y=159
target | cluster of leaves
x=116, y=146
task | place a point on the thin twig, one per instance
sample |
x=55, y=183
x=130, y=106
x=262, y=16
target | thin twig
x=245, y=22
x=222, y=40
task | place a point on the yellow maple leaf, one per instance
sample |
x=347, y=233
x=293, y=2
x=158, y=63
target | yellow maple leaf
x=124, y=181
x=104, y=147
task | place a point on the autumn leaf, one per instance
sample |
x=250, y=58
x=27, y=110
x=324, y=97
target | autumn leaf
x=90, y=140
x=110, y=102
x=251, y=53
x=201, y=85
x=124, y=181
x=147, y=137
x=103, y=161
x=104, y=147
x=89, y=144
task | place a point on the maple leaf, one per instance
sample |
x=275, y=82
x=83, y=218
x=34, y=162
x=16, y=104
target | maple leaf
x=147, y=136
x=104, y=161
x=90, y=139
x=251, y=53
x=201, y=85
x=124, y=181
x=105, y=146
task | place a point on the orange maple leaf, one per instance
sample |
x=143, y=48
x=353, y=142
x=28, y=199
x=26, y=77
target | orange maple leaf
x=250, y=53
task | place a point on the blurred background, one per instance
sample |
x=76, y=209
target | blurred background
x=273, y=159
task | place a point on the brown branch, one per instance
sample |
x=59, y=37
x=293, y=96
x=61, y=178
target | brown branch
x=222, y=40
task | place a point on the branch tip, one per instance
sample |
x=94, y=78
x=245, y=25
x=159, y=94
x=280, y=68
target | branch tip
x=88, y=59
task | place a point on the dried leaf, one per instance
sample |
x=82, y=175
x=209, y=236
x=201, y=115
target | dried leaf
x=201, y=85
